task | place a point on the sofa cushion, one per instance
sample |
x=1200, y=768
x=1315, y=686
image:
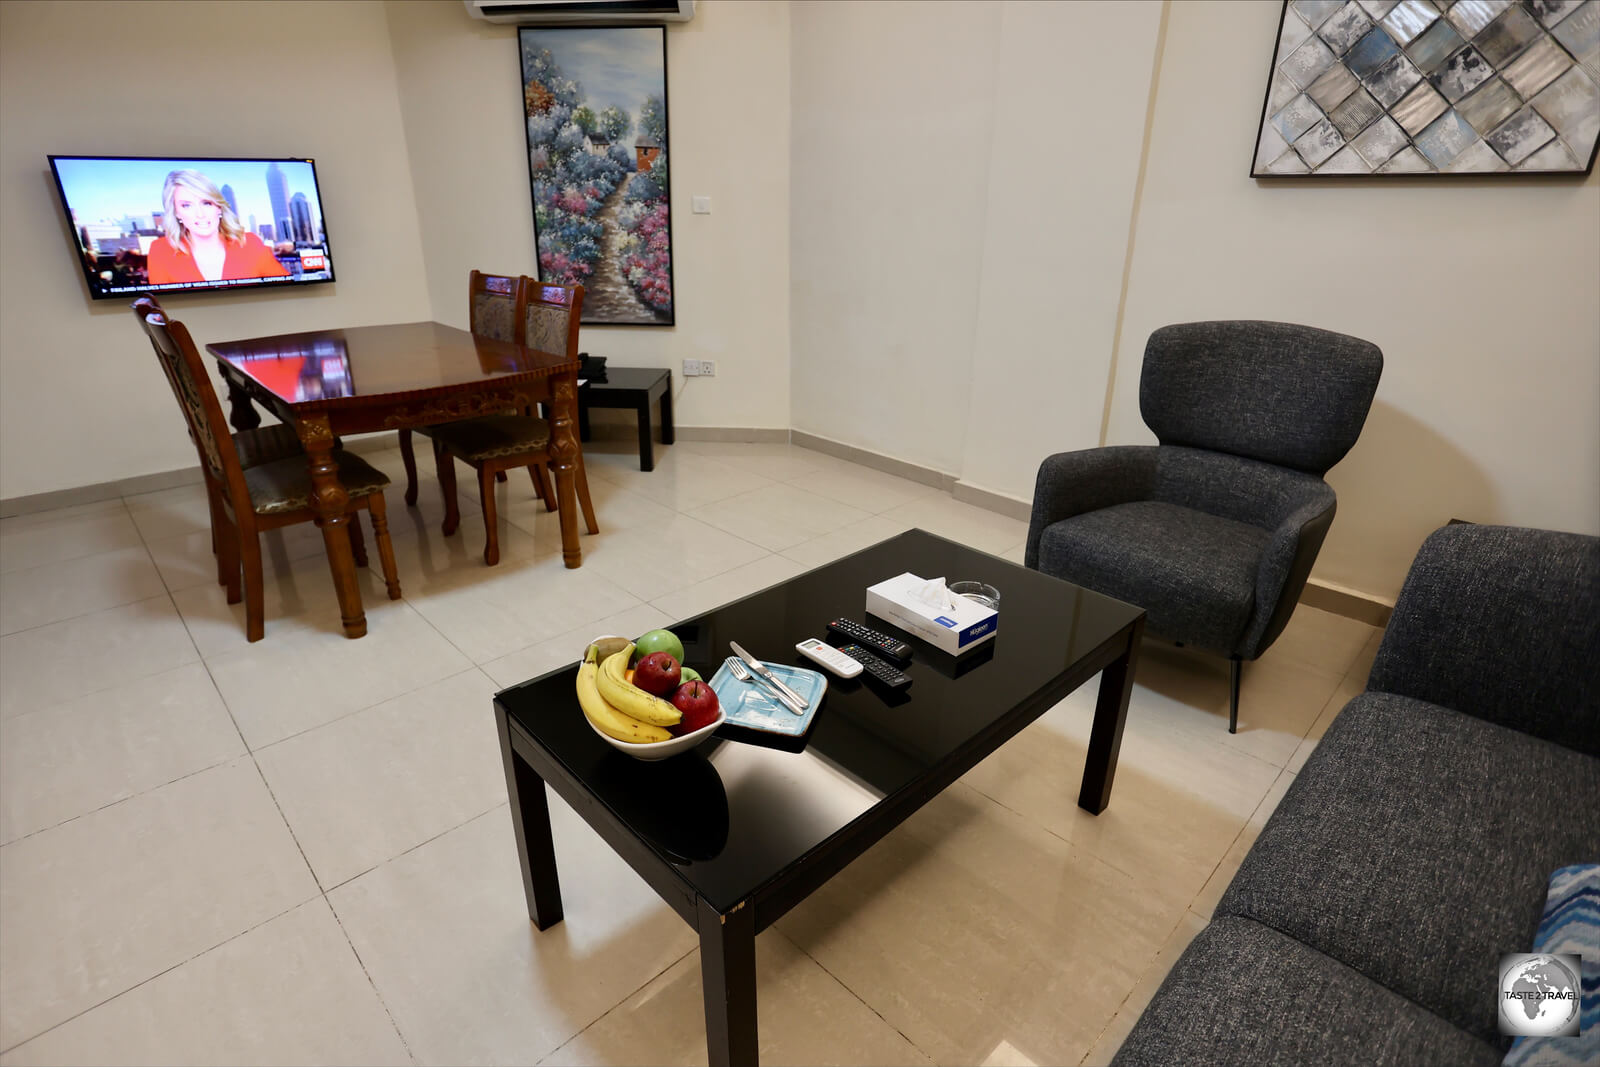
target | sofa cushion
x=1243, y=993
x=1414, y=847
x=1194, y=573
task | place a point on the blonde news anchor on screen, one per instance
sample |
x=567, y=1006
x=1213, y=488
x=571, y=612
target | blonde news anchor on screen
x=204, y=240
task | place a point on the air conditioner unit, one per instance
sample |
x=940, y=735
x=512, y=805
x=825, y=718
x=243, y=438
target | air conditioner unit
x=591, y=12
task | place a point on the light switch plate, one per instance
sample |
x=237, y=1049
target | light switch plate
x=702, y=205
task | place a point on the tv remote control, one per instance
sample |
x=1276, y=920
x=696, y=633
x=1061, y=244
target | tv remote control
x=880, y=669
x=829, y=657
x=882, y=644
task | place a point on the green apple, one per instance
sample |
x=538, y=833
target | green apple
x=689, y=674
x=658, y=641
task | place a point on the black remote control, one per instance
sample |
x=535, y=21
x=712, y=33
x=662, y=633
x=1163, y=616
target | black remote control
x=880, y=669
x=882, y=644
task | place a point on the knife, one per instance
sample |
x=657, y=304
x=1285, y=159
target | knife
x=798, y=705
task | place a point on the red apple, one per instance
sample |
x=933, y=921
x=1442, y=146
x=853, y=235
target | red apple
x=698, y=702
x=657, y=673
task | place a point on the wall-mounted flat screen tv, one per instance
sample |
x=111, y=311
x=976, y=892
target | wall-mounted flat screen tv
x=159, y=225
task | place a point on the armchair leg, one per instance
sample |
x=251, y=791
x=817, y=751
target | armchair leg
x=1234, y=666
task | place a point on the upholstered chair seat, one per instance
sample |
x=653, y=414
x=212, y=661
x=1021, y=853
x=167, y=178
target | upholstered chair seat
x=267, y=443
x=493, y=436
x=285, y=484
x=1196, y=571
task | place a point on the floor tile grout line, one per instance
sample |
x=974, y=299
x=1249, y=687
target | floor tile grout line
x=371, y=982
x=630, y=994
x=158, y=974
x=859, y=998
x=1139, y=977
x=410, y=849
x=315, y=878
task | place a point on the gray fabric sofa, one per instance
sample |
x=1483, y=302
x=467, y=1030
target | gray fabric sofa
x=1413, y=849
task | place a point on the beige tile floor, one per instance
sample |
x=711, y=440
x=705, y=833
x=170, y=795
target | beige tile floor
x=299, y=851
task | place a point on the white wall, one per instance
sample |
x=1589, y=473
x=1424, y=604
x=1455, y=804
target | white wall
x=728, y=103
x=81, y=398
x=1481, y=293
x=893, y=117
x=1062, y=174
x=964, y=175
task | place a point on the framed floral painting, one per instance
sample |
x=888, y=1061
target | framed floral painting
x=595, y=103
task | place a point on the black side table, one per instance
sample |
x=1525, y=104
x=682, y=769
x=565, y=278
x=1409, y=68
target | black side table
x=631, y=387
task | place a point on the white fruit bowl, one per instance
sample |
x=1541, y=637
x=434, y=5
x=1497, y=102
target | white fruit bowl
x=662, y=749
x=656, y=749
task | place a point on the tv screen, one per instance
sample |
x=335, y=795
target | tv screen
x=160, y=225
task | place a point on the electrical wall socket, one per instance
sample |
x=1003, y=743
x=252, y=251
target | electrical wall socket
x=695, y=368
x=708, y=367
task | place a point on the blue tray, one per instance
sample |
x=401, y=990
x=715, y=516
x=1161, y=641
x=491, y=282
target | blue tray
x=752, y=705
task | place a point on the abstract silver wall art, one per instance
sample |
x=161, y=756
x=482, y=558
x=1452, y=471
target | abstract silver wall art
x=1432, y=87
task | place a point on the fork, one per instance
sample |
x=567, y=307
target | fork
x=737, y=668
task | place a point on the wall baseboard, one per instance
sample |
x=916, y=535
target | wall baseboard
x=989, y=500
x=898, y=467
x=755, y=435
x=93, y=494
x=1351, y=603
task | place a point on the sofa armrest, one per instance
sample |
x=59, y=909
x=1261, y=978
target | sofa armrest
x=1500, y=622
x=1071, y=483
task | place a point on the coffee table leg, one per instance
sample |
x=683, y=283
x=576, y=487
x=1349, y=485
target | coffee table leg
x=728, y=975
x=1105, y=736
x=530, y=822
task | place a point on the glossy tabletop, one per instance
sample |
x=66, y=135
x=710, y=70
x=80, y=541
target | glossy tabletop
x=731, y=817
x=321, y=370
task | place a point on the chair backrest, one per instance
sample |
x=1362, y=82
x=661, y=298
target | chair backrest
x=495, y=301
x=550, y=316
x=1292, y=395
x=186, y=373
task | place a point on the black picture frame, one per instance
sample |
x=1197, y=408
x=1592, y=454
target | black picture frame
x=595, y=110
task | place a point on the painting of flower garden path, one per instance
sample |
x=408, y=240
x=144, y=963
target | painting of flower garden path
x=596, y=105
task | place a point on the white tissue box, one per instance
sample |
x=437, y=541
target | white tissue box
x=964, y=626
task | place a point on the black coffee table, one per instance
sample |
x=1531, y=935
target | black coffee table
x=774, y=820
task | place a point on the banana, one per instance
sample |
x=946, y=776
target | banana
x=630, y=699
x=607, y=719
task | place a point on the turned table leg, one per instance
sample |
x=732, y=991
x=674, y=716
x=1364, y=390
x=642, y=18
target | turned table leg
x=329, y=500
x=564, y=461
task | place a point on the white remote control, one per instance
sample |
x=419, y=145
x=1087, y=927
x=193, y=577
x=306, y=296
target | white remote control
x=829, y=657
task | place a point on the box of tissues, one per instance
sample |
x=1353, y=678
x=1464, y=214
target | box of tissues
x=926, y=608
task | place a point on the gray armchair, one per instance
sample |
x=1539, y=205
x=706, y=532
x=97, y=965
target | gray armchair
x=1214, y=530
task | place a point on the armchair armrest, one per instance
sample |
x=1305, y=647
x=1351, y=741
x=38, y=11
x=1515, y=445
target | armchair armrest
x=1286, y=564
x=1500, y=622
x=1071, y=483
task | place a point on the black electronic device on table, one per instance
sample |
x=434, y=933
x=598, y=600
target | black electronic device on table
x=877, y=668
x=880, y=643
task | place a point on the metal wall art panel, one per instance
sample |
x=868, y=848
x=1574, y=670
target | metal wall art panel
x=1432, y=87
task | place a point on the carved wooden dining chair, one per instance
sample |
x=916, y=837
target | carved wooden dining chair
x=545, y=317
x=494, y=303
x=265, y=496
x=255, y=447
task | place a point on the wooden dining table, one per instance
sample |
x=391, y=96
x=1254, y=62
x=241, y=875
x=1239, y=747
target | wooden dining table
x=364, y=379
